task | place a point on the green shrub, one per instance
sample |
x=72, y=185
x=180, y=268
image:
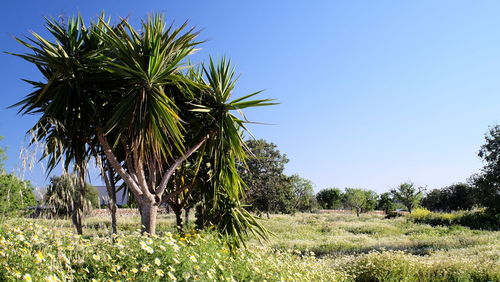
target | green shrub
x=15, y=194
x=479, y=219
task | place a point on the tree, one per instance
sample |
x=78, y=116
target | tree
x=62, y=193
x=269, y=189
x=386, y=203
x=487, y=183
x=15, y=194
x=124, y=94
x=435, y=200
x=330, y=198
x=408, y=194
x=303, y=193
x=358, y=199
x=371, y=201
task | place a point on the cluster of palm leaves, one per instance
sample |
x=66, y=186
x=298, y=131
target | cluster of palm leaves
x=130, y=99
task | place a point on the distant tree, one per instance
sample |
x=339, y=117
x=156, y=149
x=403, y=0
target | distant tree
x=356, y=199
x=62, y=192
x=329, y=198
x=460, y=196
x=487, y=183
x=408, y=194
x=371, y=201
x=386, y=203
x=15, y=194
x=303, y=192
x=435, y=200
x=269, y=189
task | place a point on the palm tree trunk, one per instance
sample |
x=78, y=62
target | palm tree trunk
x=111, y=188
x=149, y=211
x=77, y=213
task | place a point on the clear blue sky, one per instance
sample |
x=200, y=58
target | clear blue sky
x=372, y=93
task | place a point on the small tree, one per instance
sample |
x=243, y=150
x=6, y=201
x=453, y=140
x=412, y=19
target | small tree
x=15, y=194
x=330, y=198
x=408, y=194
x=303, y=193
x=355, y=199
x=62, y=193
x=386, y=203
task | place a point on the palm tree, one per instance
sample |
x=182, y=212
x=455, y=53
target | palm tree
x=129, y=96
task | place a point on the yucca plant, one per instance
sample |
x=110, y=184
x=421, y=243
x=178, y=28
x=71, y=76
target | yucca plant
x=131, y=97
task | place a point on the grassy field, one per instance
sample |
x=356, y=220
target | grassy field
x=314, y=247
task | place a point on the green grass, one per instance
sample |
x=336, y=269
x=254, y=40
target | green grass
x=305, y=247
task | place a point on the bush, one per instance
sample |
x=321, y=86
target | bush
x=479, y=219
x=15, y=194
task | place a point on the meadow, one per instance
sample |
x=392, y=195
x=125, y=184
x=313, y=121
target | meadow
x=304, y=247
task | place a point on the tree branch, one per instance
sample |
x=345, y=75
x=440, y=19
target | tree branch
x=166, y=177
x=132, y=185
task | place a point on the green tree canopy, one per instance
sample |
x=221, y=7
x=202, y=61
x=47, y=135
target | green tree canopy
x=487, y=183
x=408, y=194
x=360, y=200
x=329, y=198
x=386, y=203
x=303, y=192
x=269, y=189
x=15, y=194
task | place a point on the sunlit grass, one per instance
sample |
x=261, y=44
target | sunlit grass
x=305, y=247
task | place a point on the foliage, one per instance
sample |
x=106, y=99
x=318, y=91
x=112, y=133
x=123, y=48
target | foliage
x=408, y=194
x=314, y=247
x=3, y=156
x=61, y=194
x=15, y=194
x=460, y=196
x=129, y=95
x=434, y=200
x=487, y=183
x=269, y=189
x=360, y=200
x=42, y=254
x=477, y=219
x=386, y=203
x=330, y=198
x=303, y=193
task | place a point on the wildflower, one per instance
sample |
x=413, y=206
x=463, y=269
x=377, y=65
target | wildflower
x=176, y=261
x=51, y=278
x=186, y=275
x=39, y=257
x=27, y=277
x=134, y=270
x=193, y=258
x=96, y=257
x=171, y=276
x=159, y=272
x=145, y=268
x=157, y=261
